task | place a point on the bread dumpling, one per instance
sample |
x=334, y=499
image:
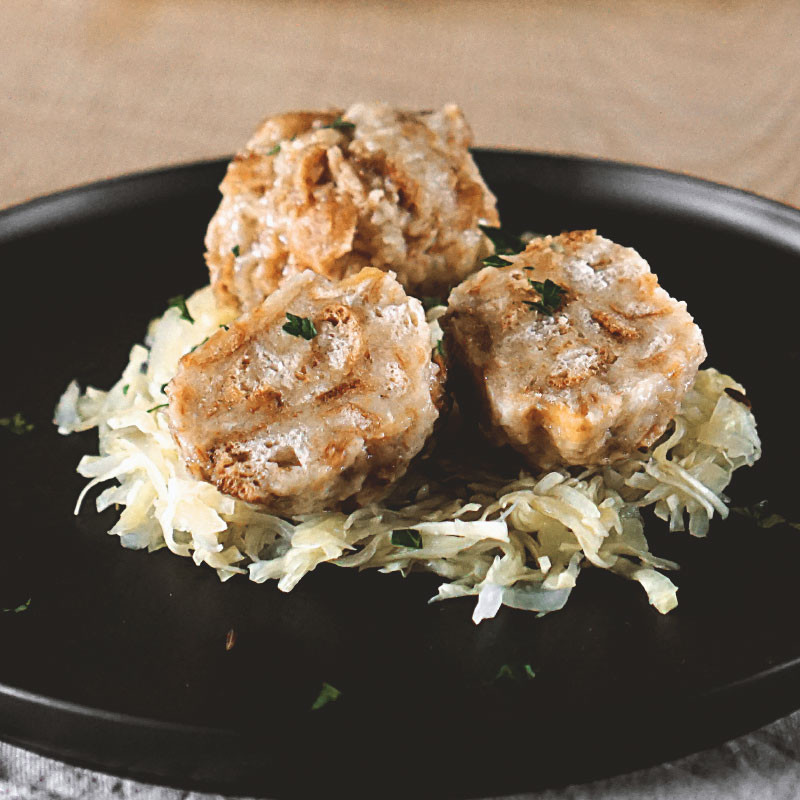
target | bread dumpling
x=321, y=394
x=574, y=352
x=336, y=191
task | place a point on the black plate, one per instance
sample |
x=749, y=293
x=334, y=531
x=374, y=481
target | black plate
x=120, y=662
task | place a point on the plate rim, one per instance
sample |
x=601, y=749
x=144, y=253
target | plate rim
x=197, y=173
x=30, y=209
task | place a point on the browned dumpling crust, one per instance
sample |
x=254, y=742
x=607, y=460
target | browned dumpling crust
x=301, y=425
x=601, y=375
x=339, y=190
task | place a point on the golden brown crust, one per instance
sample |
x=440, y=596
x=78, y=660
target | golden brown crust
x=615, y=326
x=392, y=189
x=302, y=425
x=587, y=384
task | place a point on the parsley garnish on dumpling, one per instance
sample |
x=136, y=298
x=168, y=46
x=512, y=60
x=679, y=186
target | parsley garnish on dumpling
x=340, y=124
x=505, y=244
x=179, y=302
x=300, y=326
x=552, y=294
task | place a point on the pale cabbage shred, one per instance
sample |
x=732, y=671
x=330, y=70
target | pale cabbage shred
x=521, y=544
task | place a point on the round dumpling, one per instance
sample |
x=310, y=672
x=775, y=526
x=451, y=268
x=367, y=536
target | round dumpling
x=321, y=395
x=574, y=352
x=340, y=190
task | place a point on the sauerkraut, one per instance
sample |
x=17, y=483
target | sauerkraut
x=519, y=542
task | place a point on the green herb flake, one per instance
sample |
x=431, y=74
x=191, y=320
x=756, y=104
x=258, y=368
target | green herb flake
x=273, y=151
x=235, y=250
x=225, y=327
x=20, y=608
x=179, y=302
x=495, y=261
x=300, y=326
x=340, y=124
x=440, y=348
x=155, y=408
x=126, y=388
x=760, y=514
x=505, y=243
x=16, y=424
x=551, y=293
x=407, y=537
x=164, y=386
x=328, y=694
x=431, y=302
x=199, y=344
x=514, y=673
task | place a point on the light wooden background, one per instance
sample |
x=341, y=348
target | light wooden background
x=94, y=88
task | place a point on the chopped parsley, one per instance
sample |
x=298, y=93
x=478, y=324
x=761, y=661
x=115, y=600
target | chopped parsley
x=20, y=608
x=407, y=537
x=179, y=302
x=300, y=326
x=155, y=408
x=762, y=516
x=125, y=388
x=431, y=302
x=328, y=694
x=226, y=327
x=164, y=386
x=440, y=347
x=505, y=243
x=235, y=250
x=514, y=672
x=199, y=344
x=274, y=150
x=17, y=424
x=551, y=293
x=340, y=125
x=495, y=261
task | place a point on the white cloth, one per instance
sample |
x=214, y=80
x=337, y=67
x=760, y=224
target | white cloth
x=764, y=764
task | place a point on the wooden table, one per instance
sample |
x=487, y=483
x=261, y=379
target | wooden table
x=94, y=88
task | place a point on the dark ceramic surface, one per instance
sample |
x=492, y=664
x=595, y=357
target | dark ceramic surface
x=120, y=661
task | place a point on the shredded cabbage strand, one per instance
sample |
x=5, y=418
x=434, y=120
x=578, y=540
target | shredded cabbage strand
x=518, y=543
